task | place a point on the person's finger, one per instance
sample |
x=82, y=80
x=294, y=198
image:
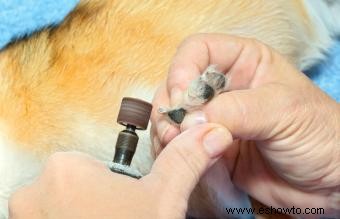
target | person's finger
x=242, y=72
x=197, y=52
x=250, y=114
x=188, y=156
x=257, y=113
x=192, y=57
x=245, y=61
x=249, y=64
x=277, y=93
x=162, y=131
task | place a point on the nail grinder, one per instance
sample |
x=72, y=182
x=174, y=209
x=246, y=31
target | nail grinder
x=134, y=114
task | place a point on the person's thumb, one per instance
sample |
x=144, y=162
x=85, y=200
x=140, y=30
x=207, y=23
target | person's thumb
x=254, y=114
x=183, y=161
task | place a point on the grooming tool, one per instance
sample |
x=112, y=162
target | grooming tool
x=200, y=91
x=134, y=114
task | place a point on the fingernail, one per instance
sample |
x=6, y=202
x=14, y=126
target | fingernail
x=176, y=96
x=216, y=141
x=162, y=128
x=192, y=119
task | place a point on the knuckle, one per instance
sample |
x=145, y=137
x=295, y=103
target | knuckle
x=58, y=170
x=193, y=40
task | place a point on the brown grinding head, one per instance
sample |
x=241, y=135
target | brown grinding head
x=134, y=112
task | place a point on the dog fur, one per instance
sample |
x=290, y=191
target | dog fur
x=60, y=89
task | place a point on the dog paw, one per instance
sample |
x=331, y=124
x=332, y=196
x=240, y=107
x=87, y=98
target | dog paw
x=200, y=91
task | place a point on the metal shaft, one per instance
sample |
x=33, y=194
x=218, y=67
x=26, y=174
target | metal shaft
x=126, y=146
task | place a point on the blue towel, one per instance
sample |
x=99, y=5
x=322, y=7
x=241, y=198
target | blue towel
x=19, y=18
x=327, y=73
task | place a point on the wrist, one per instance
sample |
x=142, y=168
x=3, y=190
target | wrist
x=334, y=198
x=333, y=179
x=330, y=183
x=324, y=177
x=336, y=172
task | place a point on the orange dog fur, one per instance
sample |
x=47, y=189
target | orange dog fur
x=60, y=89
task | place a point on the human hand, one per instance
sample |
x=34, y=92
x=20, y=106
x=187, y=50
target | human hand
x=74, y=185
x=288, y=151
